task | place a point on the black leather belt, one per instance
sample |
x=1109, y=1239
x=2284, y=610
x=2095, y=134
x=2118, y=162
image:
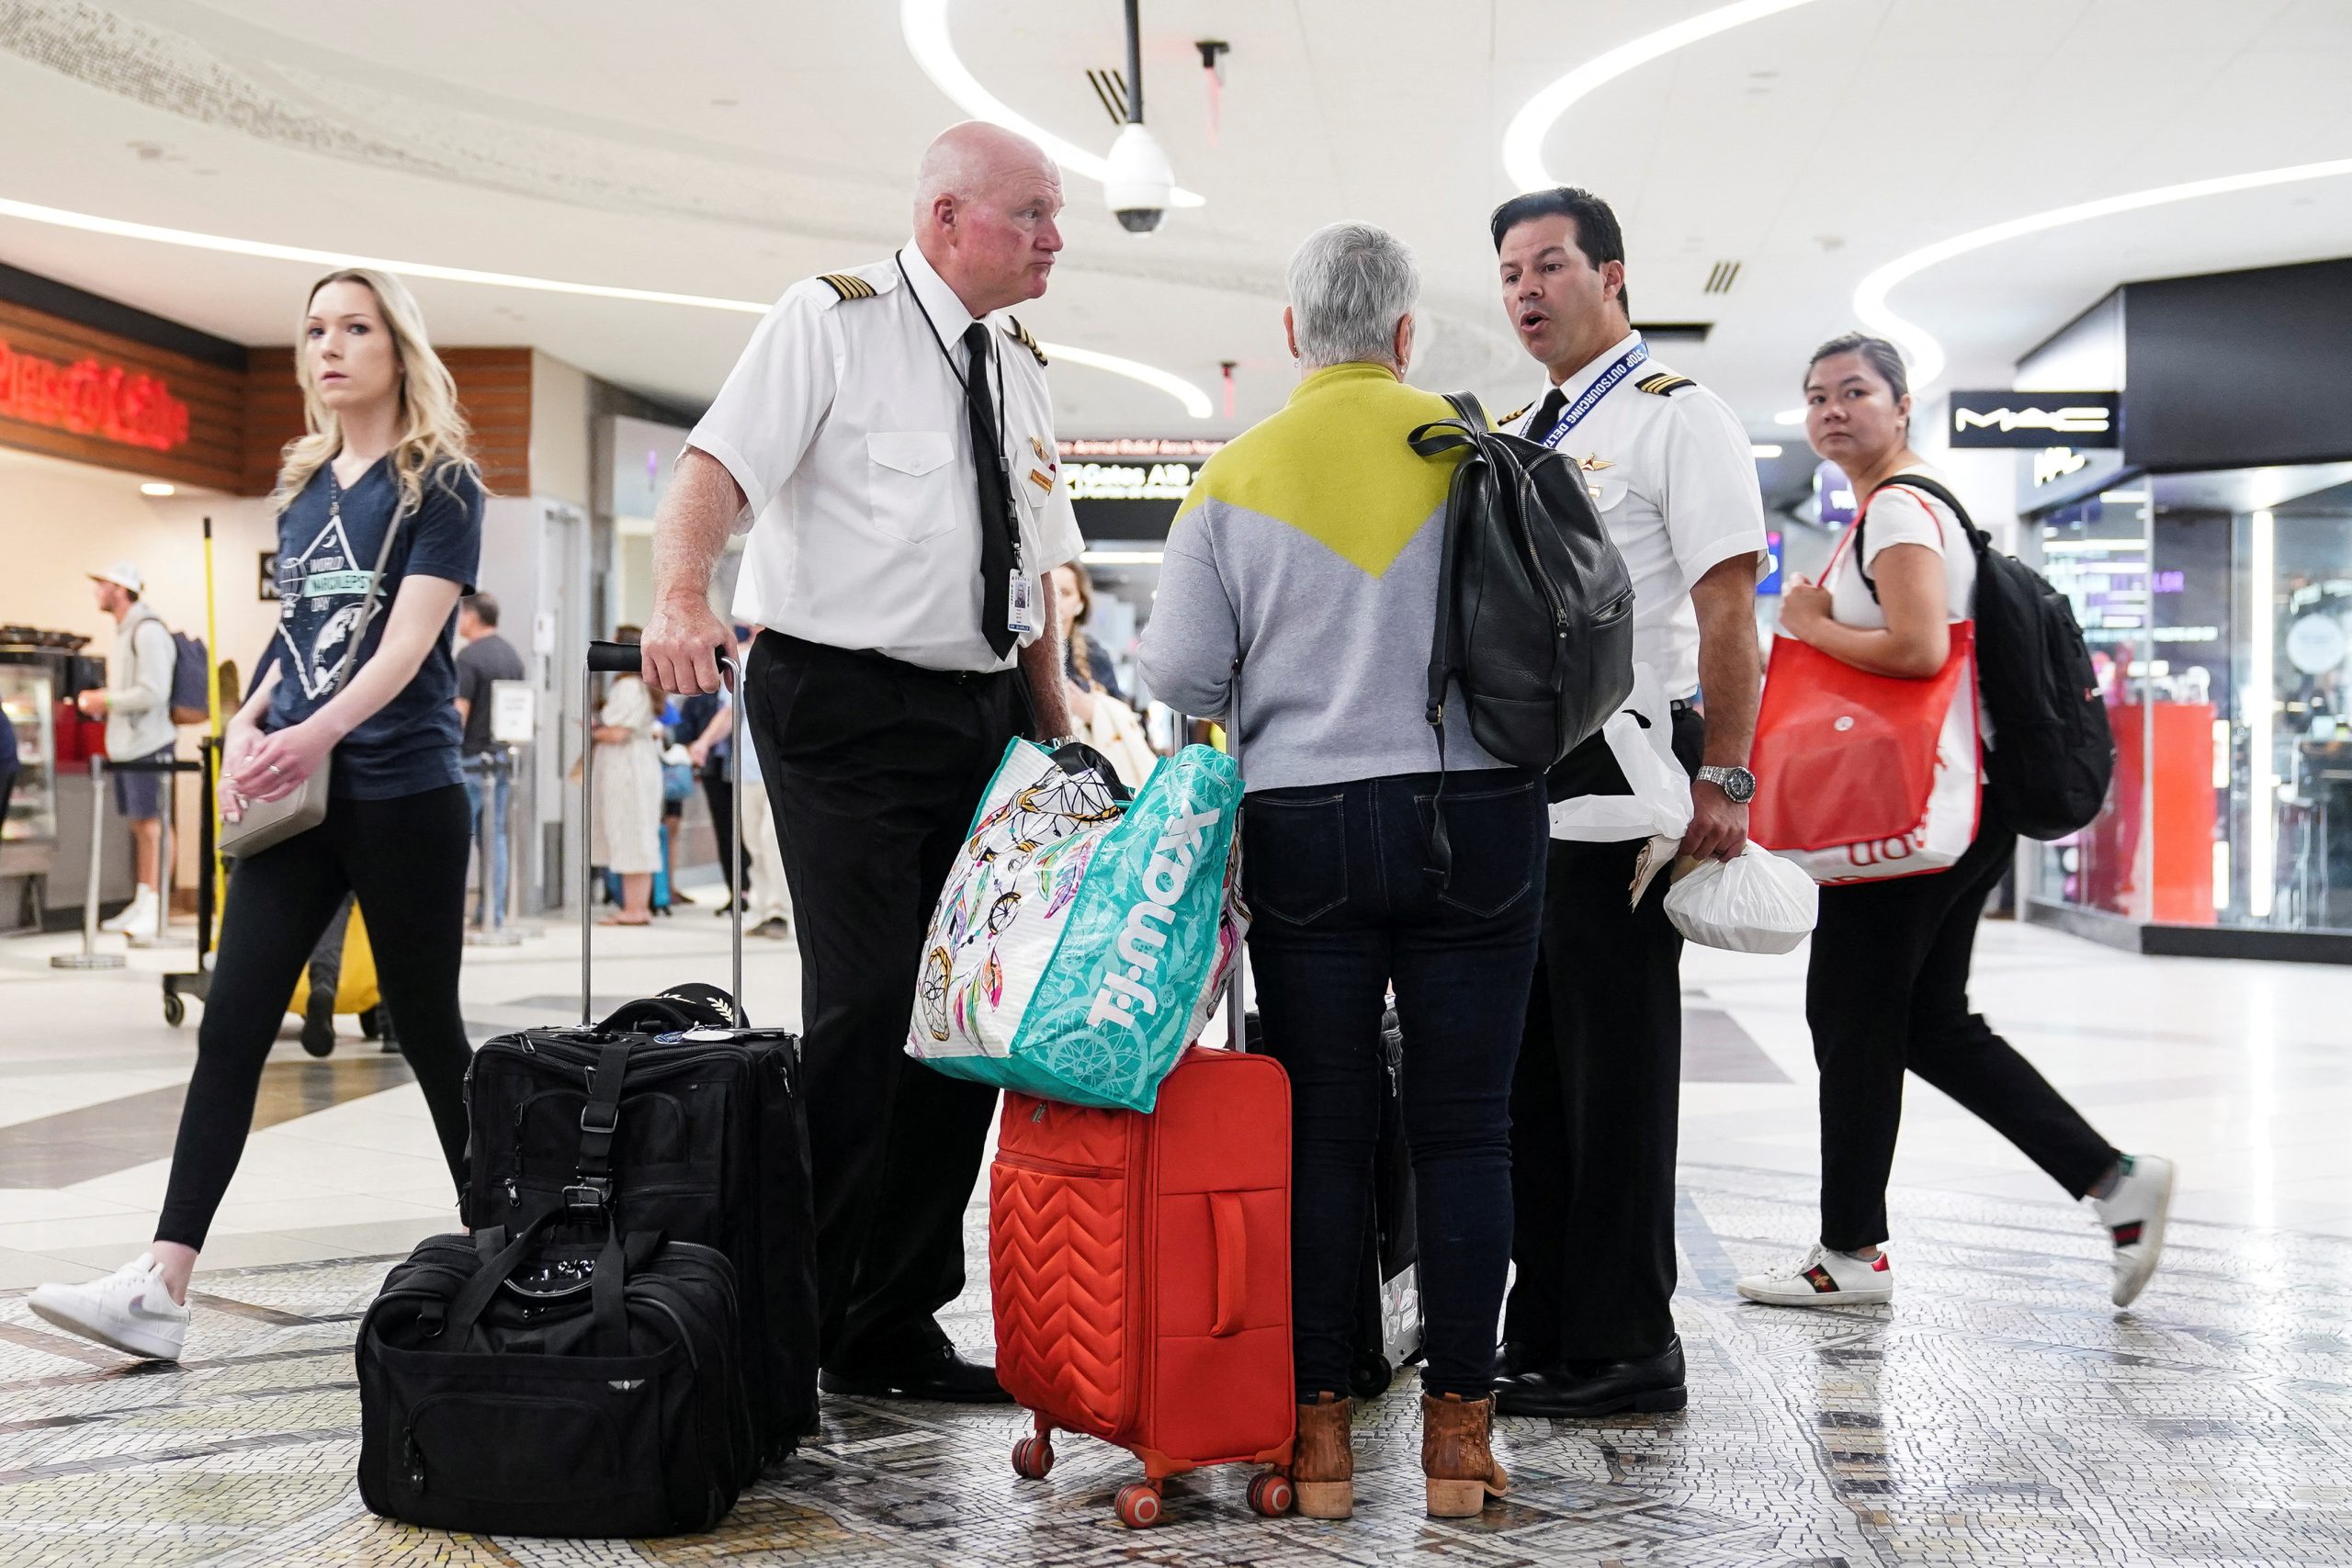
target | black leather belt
x=897, y=666
x=1682, y=704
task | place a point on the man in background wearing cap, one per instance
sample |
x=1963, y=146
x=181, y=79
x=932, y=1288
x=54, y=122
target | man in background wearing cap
x=137, y=706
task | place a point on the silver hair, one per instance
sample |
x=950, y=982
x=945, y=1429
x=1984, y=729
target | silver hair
x=1349, y=284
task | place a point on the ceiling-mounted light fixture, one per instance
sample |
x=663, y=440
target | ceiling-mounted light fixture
x=1213, y=54
x=1140, y=179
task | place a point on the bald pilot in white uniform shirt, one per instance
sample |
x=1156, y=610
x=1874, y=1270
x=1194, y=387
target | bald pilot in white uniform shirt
x=879, y=711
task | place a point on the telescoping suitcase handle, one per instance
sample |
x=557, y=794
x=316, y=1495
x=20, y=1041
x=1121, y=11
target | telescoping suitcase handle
x=628, y=659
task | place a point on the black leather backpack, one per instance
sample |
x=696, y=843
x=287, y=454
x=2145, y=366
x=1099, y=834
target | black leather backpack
x=1534, y=606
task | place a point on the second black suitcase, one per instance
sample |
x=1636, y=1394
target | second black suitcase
x=531, y=1386
x=704, y=1141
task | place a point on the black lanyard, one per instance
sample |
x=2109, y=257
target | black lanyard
x=963, y=385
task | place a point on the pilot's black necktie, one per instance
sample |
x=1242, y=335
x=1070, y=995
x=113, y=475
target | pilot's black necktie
x=996, y=510
x=1548, y=415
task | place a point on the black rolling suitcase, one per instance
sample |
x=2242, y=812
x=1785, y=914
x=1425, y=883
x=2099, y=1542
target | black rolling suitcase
x=1389, y=1299
x=706, y=1142
x=534, y=1386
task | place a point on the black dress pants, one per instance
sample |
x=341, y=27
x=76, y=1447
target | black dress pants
x=874, y=768
x=1886, y=989
x=1596, y=1101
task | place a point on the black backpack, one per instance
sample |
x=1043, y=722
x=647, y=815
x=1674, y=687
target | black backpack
x=1534, y=606
x=2053, y=753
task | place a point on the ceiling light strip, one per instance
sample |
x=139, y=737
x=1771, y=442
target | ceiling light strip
x=925, y=25
x=1926, y=354
x=1194, y=400
x=1524, y=137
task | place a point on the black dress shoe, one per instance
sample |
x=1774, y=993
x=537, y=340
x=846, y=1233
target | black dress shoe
x=941, y=1374
x=1648, y=1386
x=1515, y=1357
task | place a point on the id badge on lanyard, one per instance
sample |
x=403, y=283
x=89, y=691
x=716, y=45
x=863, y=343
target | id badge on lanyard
x=1625, y=364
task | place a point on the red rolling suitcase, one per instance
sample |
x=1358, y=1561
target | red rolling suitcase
x=1140, y=1266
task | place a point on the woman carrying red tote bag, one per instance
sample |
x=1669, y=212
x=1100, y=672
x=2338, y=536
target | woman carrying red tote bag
x=1868, y=761
x=1862, y=775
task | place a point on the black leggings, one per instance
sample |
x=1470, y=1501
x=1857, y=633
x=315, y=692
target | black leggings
x=406, y=860
x=1888, y=991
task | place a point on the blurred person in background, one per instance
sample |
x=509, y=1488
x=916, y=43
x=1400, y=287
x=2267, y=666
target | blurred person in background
x=486, y=658
x=1105, y=721
x=386, y=451
x=627, y=827
x=1295, y=601
x=136, y=703
x=709, y=743
x=1886, y=985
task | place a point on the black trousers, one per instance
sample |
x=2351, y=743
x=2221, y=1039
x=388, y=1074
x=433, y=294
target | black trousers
x=406, y=859
x=719, y=791
x=1887, y=991
x=1595, y=1104
x=874, y=768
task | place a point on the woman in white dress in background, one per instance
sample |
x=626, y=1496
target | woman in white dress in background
x=627, y=824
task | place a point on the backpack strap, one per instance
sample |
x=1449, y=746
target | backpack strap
x=1978, y=539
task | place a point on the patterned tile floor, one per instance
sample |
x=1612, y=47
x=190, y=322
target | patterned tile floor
x=1999, y=1413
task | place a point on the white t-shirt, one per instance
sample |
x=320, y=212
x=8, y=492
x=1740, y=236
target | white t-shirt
x=1899, y=514
x=1668, y=465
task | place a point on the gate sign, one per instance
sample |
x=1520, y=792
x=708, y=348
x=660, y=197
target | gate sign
x=2037, y=420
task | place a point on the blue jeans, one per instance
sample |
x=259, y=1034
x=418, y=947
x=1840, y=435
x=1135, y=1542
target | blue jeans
x=497, y=836
x=1344, y=911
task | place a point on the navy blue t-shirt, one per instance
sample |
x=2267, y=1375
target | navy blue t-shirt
x=409, y=745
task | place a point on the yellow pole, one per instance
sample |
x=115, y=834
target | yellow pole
x=212, y=703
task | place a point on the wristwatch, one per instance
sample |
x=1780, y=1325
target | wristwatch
x=1738, y=784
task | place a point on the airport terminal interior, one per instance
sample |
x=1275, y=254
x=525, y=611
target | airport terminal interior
x=2111, y=242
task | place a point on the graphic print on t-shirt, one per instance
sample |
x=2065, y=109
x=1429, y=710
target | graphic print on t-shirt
x=322, y=594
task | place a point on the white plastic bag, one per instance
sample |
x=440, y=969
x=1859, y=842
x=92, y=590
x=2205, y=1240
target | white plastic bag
x=1756, y=903
x=1659, y=807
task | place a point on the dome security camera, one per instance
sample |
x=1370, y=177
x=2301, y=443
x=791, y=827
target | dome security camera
x=1140, y=180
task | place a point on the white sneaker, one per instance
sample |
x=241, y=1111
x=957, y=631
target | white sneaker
x=130, y=1310
x=1825, y=1279
x=139, y=914
x=2134, y=1217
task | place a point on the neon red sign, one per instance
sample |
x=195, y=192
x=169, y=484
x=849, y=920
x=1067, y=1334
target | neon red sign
x=90, y=397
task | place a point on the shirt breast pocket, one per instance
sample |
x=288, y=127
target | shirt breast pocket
x=910, y=479
x=1608, y=486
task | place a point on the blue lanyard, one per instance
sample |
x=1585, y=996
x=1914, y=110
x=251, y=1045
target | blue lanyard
x=1589, y=398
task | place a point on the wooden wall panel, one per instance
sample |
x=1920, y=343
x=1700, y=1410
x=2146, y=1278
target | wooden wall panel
x=212, y=452
x=494, y=388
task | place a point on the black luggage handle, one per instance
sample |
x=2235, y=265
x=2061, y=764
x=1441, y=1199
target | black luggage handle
x=607, y=1306
x=628, y=659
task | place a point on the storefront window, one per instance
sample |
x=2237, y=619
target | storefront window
x=2222, y=636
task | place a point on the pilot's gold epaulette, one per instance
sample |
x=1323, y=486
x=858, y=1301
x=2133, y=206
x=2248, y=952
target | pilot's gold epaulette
x=1020, y=335
x=1507, y=421
x=848, y=285
x=1665, y=384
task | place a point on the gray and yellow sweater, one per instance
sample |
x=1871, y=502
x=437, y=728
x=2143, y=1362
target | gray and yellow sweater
x=1302, y=570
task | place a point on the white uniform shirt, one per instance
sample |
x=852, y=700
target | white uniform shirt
x=846, y=430
x=1676, y=485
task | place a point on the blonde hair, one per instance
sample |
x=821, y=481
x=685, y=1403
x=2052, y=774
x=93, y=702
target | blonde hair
x=434, y=439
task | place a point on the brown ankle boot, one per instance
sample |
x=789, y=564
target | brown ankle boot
x=1460, y=1467
x=1323, y=1468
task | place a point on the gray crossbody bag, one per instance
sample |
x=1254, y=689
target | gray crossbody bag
x=270, y=823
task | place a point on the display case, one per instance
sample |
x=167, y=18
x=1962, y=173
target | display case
x=28, y=696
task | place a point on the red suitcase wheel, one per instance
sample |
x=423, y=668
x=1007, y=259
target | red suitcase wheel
x=1032, y=1458
x=1139, y=1505
x=1271, y=1495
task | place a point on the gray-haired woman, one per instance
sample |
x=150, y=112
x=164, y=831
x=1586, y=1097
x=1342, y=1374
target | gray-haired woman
x=1296, y=576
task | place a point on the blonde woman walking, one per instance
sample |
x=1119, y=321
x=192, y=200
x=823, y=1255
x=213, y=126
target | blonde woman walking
x=386, y=452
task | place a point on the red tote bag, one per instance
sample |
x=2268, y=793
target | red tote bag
x=1860, y=776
